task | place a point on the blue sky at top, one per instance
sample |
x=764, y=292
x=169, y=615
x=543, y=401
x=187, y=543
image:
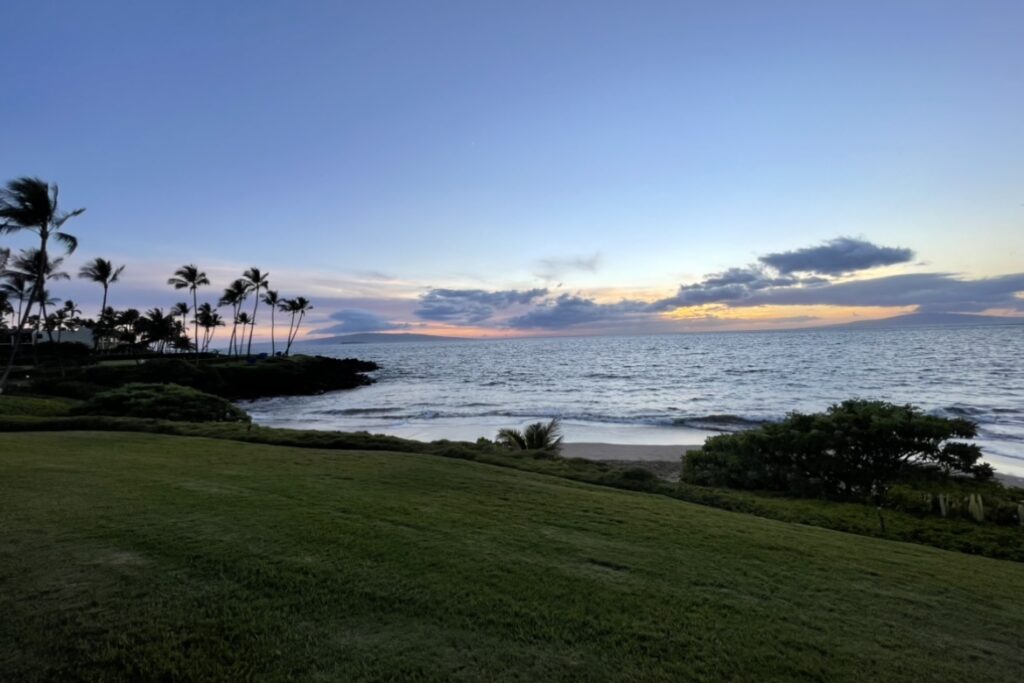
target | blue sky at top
x=462, y=144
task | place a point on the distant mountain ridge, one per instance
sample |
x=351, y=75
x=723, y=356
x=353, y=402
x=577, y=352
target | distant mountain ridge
x=922, y=319
x=385, y=338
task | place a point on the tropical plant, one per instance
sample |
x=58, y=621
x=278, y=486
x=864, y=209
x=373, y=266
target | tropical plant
x=298, y=307
x=539, y=436
x=209, y=320
x=34, y=268
x=66, y=318
x=234, y=296
x=31, y=204
x=191, y=278
x=103, y=273
x=242, y=320
x=181, y=309
x=158, y=329
x=257, y=280
x=272, y=301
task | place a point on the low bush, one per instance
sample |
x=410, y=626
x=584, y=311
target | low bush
x=163, y=401
x=855, y=450
x=35, y=406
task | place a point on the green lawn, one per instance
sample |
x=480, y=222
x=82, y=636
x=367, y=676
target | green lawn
x=141, y=556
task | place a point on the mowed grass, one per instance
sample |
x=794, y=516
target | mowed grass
x=141, y=556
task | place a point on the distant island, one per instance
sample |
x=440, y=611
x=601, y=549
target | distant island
x=921, y=319
x=383, y=338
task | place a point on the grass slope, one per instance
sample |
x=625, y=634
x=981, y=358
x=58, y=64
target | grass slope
x=140, y=556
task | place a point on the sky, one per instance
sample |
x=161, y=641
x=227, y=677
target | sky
x=500, y=169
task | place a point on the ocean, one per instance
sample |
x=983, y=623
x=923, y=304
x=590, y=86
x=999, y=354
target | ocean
x=672, y=389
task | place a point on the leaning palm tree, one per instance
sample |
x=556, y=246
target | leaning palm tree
x=298, y=306
x=234, y=296
x=538, y=436
x=103, y=273
x=191, y=278
x=271, y=299
x=30, y=204
x=257, y=280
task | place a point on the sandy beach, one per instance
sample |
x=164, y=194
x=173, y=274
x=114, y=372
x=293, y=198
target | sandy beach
x=593, y=450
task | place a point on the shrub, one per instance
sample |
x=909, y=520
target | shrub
x=855, y=449
x=538, y=436
x=164, y=401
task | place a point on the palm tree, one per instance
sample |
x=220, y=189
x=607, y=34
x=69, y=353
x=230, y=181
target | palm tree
x=191, y=278
x=271, y=299
x=242, y=319
x=538, y=436
x=31, y=204
x=34, y=267
x=158, y=328
x=102, y=272
x=299, y=306
x=181, y=308
x=257, y=280
x=66, y=318
x=209, y=320
x=234, y=296
x=15, y=287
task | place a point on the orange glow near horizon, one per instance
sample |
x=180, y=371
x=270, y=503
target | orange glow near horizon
x=816, y=315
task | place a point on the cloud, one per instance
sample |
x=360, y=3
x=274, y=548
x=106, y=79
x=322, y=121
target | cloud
x=556, y=268
x=731, y=285
x=932, y=292
x=472, y=306
x=837, y=257
x=570, y=310
x=351, y=320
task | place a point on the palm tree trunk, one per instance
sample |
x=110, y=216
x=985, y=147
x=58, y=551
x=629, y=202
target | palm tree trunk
x=195, y=323
x=103, y=308
x=291, y=326
x=273, y=348
x=252, y=325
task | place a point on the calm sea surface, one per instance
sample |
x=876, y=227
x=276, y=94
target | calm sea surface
x=673, y=389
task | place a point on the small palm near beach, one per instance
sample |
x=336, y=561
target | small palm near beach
x=479, y=342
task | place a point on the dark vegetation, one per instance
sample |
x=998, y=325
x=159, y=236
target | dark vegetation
x=163, y=401
x=854, y=450
x=228, y=378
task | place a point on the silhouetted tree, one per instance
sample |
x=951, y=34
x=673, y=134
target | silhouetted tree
x=257, y=280
x=31, y=204
x=191, y=278
x=271, y=299
x=103, y=273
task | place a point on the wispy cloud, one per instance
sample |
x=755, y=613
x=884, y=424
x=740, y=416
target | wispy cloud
x=556, y=268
